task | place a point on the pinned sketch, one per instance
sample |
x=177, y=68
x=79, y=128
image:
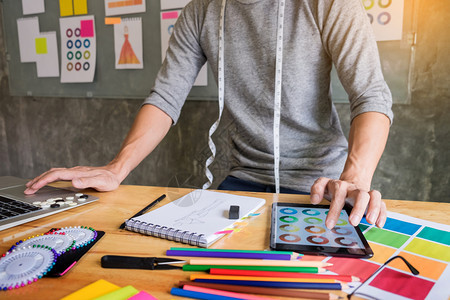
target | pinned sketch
x=128, y=44
x=386, y=17
x=30, y=7
x=122, y=7
x=47, y=61
x=78, y=49
x=173, y=4
x=168, y=19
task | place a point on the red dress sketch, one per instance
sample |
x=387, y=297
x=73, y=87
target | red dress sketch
x=127, y=55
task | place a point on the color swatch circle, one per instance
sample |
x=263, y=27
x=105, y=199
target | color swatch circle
x=317, y=239
x=86, y=54
x=380, y=3
x=341, y=230
x=288, y=219
x=69, y=44
x=77, y=32
x=78, y=66
x=86, y=66
x=70, y=55
x=384, y=18
x=341, y=222
x=290, y=238
x=69, y=32
x=288, y=211
x=311, y=212
x=289, y=228
x=315, y=229
x=312, y=220
x=368, y=4
x=343, y=242
x=86, y=43
x=69, y=66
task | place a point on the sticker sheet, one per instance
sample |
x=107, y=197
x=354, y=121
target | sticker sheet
x=78, y=49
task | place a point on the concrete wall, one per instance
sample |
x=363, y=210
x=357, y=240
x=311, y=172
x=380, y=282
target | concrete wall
x=39, y=133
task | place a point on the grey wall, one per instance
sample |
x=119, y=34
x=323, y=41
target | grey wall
x=39, y=133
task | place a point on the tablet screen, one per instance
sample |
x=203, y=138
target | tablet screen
x=301, y=228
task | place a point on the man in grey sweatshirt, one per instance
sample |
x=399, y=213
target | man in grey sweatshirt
x=313, y=152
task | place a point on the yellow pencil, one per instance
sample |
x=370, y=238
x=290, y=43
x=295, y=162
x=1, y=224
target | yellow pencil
x=256, y=278
x=259, y=262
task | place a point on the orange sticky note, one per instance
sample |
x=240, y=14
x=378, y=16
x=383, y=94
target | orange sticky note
x=111, y=21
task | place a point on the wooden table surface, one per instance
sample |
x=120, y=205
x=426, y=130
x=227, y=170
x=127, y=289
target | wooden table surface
x=113, y=208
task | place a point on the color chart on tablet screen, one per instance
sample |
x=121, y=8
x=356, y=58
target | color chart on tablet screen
x=426, y=245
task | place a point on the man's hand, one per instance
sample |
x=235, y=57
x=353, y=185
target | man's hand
x=340, y=191
x=100, y=178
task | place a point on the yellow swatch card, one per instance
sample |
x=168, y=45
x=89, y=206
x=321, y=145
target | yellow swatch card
x=94, y=290
x=80, y=7
x=65, y=8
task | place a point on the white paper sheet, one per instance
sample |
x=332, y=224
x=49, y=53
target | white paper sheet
x=47, y=64
x=386, y=17
x=27, y=31
x=128, y=44
x=173, y=4
x=121, y=7
x=78, y=49
x=168, y=19
x=30, y=7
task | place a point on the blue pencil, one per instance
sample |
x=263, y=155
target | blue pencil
x=276, y=284
x=229, y=254
x=198, y=295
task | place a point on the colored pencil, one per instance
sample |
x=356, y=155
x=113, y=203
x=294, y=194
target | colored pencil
x=196, y=276
x=229, y=255
x=199, y=268
x=222, y=293
x=198, y=295
x=264, y=290
x=262, y=262
x=345, y=278
x=276, y=284
x=294, y=254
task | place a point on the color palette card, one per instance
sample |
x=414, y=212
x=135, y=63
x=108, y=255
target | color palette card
x=78, y=49
x=426, y=245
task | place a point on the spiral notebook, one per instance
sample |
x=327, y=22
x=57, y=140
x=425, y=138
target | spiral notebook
x=194, y=218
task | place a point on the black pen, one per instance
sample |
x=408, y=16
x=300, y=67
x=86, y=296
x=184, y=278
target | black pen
x=145, y=209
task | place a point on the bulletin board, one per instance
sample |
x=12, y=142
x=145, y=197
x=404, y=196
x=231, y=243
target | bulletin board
x=109, y=82
x=397, y=57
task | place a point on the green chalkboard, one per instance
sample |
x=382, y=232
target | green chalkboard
x=397, y=58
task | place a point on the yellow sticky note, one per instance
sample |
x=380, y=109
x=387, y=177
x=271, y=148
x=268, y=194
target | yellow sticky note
x=120, y=294
x=97, y=289
x=41, y=45
x=65, y=8
x=80, y=7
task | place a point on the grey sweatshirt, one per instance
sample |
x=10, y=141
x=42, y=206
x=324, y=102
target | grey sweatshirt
x=317, y=34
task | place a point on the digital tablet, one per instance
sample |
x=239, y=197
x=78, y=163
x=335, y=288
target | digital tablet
x=301, y=228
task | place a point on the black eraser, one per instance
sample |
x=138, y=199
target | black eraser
x=234, y=212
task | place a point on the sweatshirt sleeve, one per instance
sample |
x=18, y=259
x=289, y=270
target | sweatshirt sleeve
x=184, y=59
x=349, y=40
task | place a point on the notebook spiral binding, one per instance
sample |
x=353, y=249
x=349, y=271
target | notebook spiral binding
x=171, y=234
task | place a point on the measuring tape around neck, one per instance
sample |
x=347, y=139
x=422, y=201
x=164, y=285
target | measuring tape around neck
x=277, y=96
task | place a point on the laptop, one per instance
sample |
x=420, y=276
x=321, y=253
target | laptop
x=17, y=208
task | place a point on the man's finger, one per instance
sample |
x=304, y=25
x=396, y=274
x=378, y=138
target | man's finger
x=362, y=199
x=382, y=216
x=318, y=190
x=374, y=208
x=338, y=191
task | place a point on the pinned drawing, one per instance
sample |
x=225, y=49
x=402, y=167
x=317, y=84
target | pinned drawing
x=128, y=44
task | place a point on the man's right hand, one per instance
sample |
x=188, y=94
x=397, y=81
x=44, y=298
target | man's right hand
x=100, y=178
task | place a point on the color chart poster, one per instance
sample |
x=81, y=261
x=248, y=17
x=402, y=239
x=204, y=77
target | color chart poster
x=386, y=17
x=122, y=7
x=78, y=49
x=426, y=245
x=128, y=44
x=168, y=20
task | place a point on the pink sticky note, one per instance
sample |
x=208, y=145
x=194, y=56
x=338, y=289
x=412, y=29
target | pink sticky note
x=87, y=28
x=142, y=295
x=170, y=15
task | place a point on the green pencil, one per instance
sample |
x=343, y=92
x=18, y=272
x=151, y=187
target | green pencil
x=235, y=250
x=255, y=268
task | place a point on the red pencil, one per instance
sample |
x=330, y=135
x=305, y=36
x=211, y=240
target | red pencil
x=345, y=278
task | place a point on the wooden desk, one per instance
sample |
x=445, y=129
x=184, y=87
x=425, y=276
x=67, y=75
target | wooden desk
x=114, y=207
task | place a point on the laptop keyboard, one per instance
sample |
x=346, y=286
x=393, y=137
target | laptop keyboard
x=10, y=208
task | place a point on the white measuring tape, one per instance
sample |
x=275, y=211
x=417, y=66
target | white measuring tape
x=277, y=96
